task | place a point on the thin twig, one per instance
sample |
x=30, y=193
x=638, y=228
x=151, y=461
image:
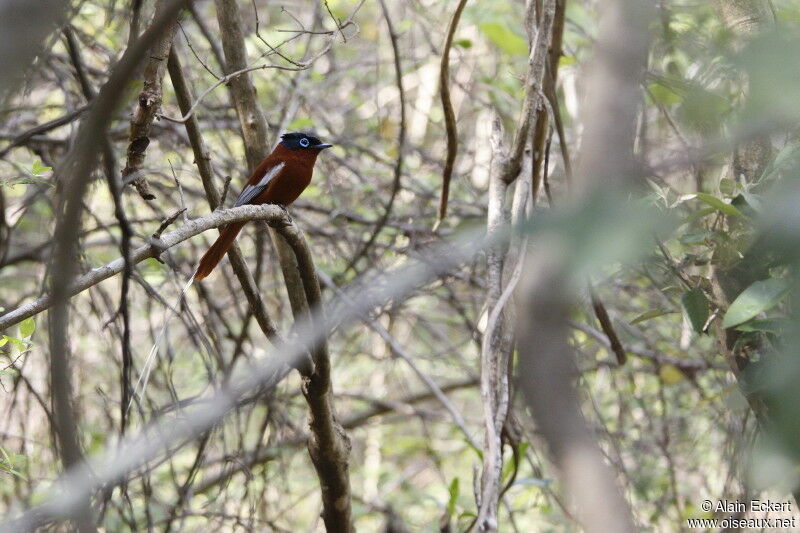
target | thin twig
x=194, y=52
x=449, y=115
x=203, y=161
x=300, y=65
x=608, y=327
x=225, y=188
x=401, y=145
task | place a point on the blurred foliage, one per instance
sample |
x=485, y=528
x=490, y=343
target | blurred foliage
x=675, y=422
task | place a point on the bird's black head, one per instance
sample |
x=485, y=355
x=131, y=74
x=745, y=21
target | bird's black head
x=302, y=141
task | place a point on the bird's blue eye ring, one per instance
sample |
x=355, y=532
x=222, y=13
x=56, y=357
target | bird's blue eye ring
x=304, y=142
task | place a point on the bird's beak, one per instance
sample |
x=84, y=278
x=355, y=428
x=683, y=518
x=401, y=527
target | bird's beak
x=323, y=146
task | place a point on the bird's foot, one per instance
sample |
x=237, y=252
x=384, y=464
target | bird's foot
x=287, y=221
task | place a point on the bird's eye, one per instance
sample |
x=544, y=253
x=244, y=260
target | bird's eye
x=304, y=142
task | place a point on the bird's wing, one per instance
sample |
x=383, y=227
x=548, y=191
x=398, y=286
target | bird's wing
x=252, y=191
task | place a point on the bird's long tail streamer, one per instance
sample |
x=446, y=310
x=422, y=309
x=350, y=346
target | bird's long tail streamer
x=144, y=375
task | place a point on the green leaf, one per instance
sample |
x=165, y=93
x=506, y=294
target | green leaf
x=17, y=473
x=755, y=299
x=38, y=169
x=788, y=155
x=454, y=491
x=565, y=61
x=463, y=43
x=697, y=237
x=700, y=213
x=3, y=341
x=647, y=315
x=505, y=39
x=767, y=325
x=27, y=327
x=26, y=180
x=695, y=306
x=702, y=110
x=718, y=204
x=523, y=448
x=511, y=465
x=19, y=343
x=670, y=374
x=754, y=201
x=663, y=95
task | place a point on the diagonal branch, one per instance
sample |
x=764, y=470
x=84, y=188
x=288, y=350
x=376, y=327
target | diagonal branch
x=268, y=213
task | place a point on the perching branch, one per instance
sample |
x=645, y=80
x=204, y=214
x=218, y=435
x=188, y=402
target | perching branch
x=267, y=213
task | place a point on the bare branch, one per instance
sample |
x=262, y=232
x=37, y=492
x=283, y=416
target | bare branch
x=148, y=104
x=328, y=444
x=498, y=339
x=269, y=213
x=401, y=146
x=449, y=115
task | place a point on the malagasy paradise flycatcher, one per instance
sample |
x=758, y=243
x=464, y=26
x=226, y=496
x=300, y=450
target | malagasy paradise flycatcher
x=279, y=179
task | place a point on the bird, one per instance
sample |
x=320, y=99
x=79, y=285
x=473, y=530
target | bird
x=278, y=179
